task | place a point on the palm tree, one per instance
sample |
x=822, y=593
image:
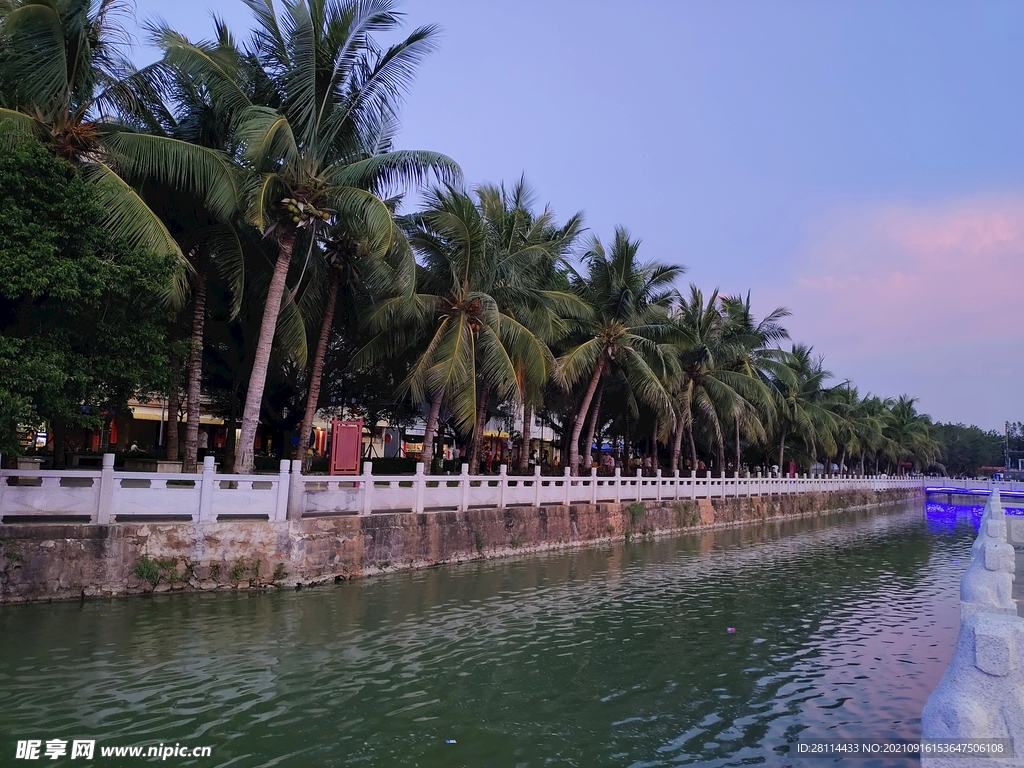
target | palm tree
x=801, y=400
x=630, y=303
x=720, y=359
x=65, y=80
x=459, y=316
x=910, y=434
x=723, y=363
x=176, y=106
x=756, y=355
x=542, y=245
x=302, y=94
x=354, y=280
x=859, y=427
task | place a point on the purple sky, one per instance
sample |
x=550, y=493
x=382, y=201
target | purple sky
x=859, y=162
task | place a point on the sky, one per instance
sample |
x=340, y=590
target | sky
x=858, y=162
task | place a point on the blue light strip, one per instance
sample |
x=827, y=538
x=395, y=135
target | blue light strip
x=974, y=492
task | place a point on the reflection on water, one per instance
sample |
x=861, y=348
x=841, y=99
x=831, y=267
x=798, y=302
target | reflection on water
x=608, y=656
x=947, y=517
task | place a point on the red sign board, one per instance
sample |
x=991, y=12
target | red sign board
x=346, y=446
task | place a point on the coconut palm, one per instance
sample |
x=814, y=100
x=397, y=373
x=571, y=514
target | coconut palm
x=859, y=427
x=302, y=93
x=542, y=245
x=65, y=79
x=719, y=362
x=354, y=281
x=176, y=106
x=910, y=434
x=630, y=302
x=802, y=401
x=755, y=354
x=459, y=318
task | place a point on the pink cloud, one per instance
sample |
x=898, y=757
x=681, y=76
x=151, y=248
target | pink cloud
x=877, y=278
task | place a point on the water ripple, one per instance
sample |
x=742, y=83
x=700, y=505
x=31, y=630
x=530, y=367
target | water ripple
x=606, y=656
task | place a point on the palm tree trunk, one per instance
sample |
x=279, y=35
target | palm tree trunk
x=693, y=447
x=230, y=427
x=581, y=415
x=427, y=457
x=195, y=368
x=524, y=451
x=654, y=445
x=842, y=460
x=782, y=450
x=478, y=430
x=316, y=372
x=173, y=406
x=261, y=361
x=677, y=446
x=592, y=427
x=738, y=458
x=721, y=455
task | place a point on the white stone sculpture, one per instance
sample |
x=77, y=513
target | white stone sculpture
x=981, y=695
x=993, y=514
x=987, y=586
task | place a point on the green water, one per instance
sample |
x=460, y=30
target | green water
x=606, y=656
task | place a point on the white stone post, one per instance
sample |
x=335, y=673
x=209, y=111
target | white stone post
x=464, y=487
x=106, y=496
x=536, y=485
x=618, y=486
x=281, y=509
x=502, y=483
x=421, y=488
x=693, y=484
x=367, y=483
x=206, y=485
x=676, y=481
x=593, y=485
x=657, y=484
x=639, y=484
x=567, y=487
x=296, y=487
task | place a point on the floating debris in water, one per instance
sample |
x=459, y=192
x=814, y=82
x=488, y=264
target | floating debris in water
x=731, y=630
x=956, y=562
x=450, y=741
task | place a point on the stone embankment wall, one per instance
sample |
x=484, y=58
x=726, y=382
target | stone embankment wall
x=51, y=561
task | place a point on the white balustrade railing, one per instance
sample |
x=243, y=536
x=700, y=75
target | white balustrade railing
x=980, y=486
x=107, y=495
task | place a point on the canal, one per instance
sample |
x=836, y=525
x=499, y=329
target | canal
x=617, y=655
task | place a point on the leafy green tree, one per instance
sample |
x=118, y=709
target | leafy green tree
x=964, y=449
x=81, y=329
x=65, y=79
